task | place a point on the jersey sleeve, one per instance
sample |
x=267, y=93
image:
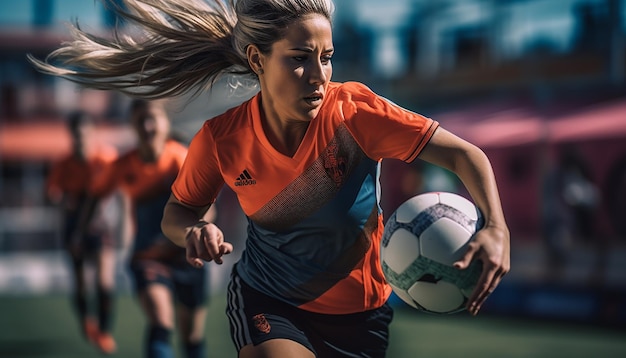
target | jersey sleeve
x=382, y=128
x=199, y=180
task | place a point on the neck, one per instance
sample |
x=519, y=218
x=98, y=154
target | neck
x=150, y=153
x=284, y=136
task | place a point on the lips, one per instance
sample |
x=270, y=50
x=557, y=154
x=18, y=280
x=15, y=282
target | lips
x=314, y=98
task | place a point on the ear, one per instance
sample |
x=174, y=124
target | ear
x=255, y=59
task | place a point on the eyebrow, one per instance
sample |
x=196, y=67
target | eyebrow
x=309, y=50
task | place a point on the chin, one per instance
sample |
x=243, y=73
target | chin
x=310, y=115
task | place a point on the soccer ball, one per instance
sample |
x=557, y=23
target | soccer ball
x=421, y=241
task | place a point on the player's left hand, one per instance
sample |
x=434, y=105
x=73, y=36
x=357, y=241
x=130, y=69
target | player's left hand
x=491, y=246
x=205, y=242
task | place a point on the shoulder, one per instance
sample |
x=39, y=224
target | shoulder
x=350, y=90
x=175, y=145
x=176, y=149
x=350, y=94
x=352, y=98
x=234, y=119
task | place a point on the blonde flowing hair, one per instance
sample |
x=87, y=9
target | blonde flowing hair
x=172, y=47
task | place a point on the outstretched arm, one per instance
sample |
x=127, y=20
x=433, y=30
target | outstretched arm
x=492, y=243
x=193, y=228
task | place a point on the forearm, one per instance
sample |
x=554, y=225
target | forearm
x=474, y=170
x=179, y=219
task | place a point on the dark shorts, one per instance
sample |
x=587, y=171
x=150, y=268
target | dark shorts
x=188, y=284
x=90, y=243
x=255, y=318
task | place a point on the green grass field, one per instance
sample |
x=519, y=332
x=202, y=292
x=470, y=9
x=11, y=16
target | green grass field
x=43, y=326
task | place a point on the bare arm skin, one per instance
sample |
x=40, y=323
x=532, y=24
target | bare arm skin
x=492, y=243
x=193, y=228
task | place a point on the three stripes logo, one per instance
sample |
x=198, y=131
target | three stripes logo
x=244, y=179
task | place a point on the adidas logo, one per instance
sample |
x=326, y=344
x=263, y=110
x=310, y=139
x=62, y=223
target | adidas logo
x=244, y=179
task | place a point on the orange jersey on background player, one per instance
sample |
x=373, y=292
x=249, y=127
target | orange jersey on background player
x=148, y=186
x=73, y=177
x=144, y=180
x=315, y=223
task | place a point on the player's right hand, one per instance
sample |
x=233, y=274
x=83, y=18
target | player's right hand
x=205, y=242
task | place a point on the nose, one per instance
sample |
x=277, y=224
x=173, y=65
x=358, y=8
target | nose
x=317, y=75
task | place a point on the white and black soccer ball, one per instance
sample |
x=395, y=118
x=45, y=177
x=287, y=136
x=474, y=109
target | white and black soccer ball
x=421, y=241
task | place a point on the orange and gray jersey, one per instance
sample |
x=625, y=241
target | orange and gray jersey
x=315, y=223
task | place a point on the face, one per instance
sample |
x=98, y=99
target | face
x=151, y=125
x=297, y=71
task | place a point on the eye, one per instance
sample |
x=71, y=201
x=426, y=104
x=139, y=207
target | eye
x=299, y=58
x=326, y=59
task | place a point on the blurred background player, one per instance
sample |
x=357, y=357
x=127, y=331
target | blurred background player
x=167, y=286
x=90, y=242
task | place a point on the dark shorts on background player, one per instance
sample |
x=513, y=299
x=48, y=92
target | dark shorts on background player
x=90, y=243
x=187, y=283
x=255, y=318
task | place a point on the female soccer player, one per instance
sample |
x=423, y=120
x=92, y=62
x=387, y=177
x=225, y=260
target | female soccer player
x=166, y=284
x=302, y=156
x=68, y=185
